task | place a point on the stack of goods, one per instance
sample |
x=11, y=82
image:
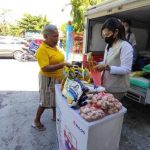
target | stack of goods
x=76, y=85
x=100, y=105
x=146, y=68
x=91, y=100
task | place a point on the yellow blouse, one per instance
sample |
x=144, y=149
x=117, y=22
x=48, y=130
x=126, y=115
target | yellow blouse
x=47, y=55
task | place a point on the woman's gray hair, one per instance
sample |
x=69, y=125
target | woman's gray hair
x=49, y=28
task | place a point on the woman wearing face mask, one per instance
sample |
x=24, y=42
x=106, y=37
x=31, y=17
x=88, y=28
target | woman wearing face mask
x=118, y=57
x=130, y=37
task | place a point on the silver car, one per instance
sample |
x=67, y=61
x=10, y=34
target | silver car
x=11, y=46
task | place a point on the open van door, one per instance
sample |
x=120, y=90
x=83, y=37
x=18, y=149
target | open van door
x=138, y=12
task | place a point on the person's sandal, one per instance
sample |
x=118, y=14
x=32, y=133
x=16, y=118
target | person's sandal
x=38, y=126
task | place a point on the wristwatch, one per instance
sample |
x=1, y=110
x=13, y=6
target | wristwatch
x=107, y=68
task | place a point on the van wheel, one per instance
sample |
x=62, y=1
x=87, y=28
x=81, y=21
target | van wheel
x=18, y=54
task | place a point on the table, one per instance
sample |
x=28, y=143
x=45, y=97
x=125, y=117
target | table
x=74, y=133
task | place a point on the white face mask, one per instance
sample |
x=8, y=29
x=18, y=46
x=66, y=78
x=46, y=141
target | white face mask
x=126, y=29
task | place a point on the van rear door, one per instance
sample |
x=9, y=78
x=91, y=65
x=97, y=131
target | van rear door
x=138, y=11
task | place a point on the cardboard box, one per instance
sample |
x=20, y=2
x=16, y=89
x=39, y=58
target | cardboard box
x=74, y=133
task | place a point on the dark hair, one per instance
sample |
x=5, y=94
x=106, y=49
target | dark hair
x=112, y=24
x=127, y=21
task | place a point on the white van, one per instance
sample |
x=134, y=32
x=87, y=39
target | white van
x=138, y=12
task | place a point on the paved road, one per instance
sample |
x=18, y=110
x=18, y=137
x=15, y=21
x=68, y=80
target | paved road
x=18, y=102
x=18, y=76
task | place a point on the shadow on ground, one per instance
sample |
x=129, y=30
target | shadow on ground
x=136, y=127
x=17, y=110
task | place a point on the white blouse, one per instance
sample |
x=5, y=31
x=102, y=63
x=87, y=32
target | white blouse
x=126, y=57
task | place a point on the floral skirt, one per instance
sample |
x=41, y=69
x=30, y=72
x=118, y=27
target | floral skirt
x=47, y=91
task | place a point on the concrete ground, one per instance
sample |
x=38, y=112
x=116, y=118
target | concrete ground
x=18, y=102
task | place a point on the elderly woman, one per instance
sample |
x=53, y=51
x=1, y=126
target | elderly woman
x=118, y=58
x=51, y=62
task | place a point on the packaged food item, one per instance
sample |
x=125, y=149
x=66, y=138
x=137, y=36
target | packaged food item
x=91, y=113
x=86, y=75
x=72, y=90
x=68, y=73
x=72, y=73
x=89, y=56
x=65, y=71
x=93, y=88
x=96, y=76
x=99, y=105
x=83, y=100
x=79, y=73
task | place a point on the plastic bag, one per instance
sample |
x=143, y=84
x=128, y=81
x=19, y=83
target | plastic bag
x=72, y=90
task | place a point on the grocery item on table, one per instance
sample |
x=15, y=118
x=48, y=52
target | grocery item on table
x=137, y=74
x=89, y=56
x=75, y=89
x=72, y=90
x=83, y=100
x=79, y=73
x=93, y=88
x=68, y=73
x=99, y=105
x=86, y=75
x=91, y=113
x=90, y=61
x=96, y=75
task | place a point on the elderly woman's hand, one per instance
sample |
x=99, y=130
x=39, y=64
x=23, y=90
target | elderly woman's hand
x=67, y=64
x=100, y=67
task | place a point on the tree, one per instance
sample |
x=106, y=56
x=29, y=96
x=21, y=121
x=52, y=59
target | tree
x=14, y=30
x=32, y=23
x=63, y=28
x=78, y=9
x=4, y=26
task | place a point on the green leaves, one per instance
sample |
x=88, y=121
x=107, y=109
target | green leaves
x=32, y=23
x=78, y=9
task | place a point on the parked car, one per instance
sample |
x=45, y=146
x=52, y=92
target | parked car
x=9, y=46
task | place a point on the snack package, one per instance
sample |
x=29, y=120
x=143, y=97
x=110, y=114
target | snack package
x=86, y=75
x=89, y=56
x=79, y=73
x=90, y=61
x=72, y=73
x=69, y=72
x=65, y=71
x=93, y=88
x=72, y=91
x=83, y=100
x=96, y=76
